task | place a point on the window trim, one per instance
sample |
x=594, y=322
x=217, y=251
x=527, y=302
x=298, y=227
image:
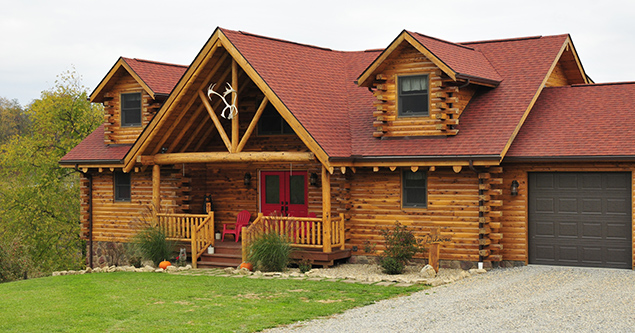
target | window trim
x=116, y=186
x=121, y=110
x=405, y=205
x=399, y=112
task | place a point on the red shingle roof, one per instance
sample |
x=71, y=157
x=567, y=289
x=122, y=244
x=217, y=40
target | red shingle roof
x=93, y=150
x=462, y=59
x=160, y=77
x=578, y=121
x=317, y=86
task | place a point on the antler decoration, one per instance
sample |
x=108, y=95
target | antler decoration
x=232, y=107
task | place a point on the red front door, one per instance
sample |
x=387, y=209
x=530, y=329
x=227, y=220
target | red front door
x=284, y=192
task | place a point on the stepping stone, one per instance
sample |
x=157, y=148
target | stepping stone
x=314, y=279
x=331, y=280
x=253, y=276
x=349, y=281
x=385, y=283
x=366, y=282
x=403, y=284
x=237, y=276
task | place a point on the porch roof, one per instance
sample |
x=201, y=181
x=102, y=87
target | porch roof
x=93, y=150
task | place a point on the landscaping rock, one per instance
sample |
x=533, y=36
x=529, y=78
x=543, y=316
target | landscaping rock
x=477, y=271
x=159, y=270
x=148, y=268
x=89, y=270
x=170, y=269
x=428, y=272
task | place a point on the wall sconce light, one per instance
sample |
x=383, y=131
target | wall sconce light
x=247, y=179
x=514, y=188
x=313, y=179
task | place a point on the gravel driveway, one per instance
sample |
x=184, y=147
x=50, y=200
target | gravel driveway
x=531, y=298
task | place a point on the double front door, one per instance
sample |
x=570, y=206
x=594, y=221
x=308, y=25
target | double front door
x=284, y=193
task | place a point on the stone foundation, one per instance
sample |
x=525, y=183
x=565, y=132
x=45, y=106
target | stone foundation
x=107, y=254
x=447, y=264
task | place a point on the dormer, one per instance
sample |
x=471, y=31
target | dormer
x=423, y=84
x=132, y=92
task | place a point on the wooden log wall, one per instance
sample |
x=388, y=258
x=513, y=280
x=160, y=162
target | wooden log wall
x=117, y=221
x=114, y=133
x=453, y=206
x=446, y=101
x=229, y=194
x=558, y=77
x=515, y=208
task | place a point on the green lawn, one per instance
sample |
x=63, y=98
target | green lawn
x=165, y=302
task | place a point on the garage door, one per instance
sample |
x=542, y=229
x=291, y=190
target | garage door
x=580, y=219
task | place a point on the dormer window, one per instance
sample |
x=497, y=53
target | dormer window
x=131, y=109
x=413, y=96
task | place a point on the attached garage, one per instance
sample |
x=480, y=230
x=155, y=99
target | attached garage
x=580, y=219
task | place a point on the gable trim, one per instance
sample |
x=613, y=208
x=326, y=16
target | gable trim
x=219, y=40
x=563, y=48
x=121, y=63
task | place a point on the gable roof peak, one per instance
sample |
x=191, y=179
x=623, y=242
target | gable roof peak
x=274, y=39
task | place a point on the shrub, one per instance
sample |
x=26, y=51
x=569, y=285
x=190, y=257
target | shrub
x=401, y=246
x=391, y=266
x=14, y=260
x=305, y=265
x=153, y=245
x=269, y=252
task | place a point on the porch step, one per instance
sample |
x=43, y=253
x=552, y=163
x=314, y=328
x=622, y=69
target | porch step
x=226, y=254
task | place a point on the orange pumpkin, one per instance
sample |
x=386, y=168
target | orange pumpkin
x=246, y=265
x=164, y=264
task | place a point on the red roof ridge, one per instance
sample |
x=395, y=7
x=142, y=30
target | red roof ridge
x=156, y=62
x=441, y=40
x=281, y=40
x=502, y=40
x=599, y=84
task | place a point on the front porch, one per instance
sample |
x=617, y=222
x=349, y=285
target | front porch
x=317, y=240
x=320, y=240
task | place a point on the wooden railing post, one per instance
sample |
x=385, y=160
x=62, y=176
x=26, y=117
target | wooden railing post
x=342, y=231
x=156, y=189
x=326, y=210
x=194, y=247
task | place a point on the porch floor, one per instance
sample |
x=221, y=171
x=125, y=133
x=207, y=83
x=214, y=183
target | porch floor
x=229, y=254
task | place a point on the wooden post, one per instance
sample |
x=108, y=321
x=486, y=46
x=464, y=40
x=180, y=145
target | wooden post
x=342, y=231
x=156, y=189
x=326, y=210
x=434, y=239
x=235, y=136
x=194, y=248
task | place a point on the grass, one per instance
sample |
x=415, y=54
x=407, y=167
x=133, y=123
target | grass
x=135, y=302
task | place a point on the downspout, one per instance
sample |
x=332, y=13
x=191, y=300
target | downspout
x=481, y=192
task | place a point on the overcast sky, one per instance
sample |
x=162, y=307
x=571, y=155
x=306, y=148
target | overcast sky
x=41, y=39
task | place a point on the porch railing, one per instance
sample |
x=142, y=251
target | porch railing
x=301, y=232
x=198, y=229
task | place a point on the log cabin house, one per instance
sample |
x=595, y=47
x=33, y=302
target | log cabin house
x=500, y=145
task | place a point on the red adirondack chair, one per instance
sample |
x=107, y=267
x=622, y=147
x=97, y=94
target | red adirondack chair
x=242, y=220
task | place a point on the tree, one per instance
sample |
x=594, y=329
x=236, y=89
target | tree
x=38, y=198
x=13, y=119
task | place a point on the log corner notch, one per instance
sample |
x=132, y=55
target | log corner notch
x=490, y=214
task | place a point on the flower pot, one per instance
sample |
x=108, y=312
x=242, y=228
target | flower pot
x=210, y=250
x=217, y=236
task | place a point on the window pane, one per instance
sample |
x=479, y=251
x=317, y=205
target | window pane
x=414, y=83
x=296, y=190
x=414, y=188
x=413, y=105
x=413, y=95
x=272, y=189
x=131, y=109
x=122, y=186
